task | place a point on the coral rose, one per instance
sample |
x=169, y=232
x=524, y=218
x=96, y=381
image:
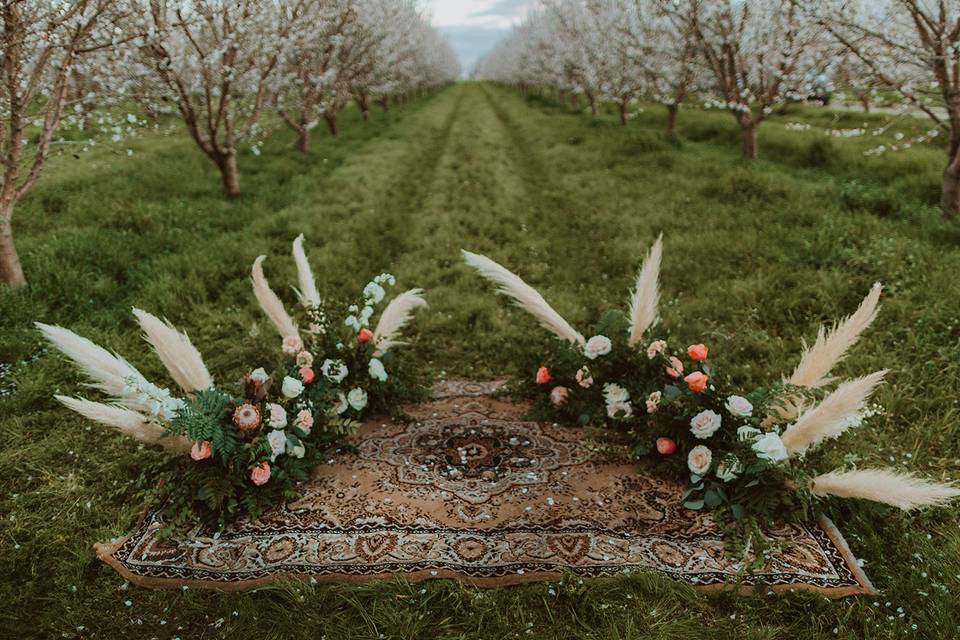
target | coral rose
x=698, y=352
x=697, y=381
x=307, y=375
x=365, y=335
x=201, y=450
x=666, y=446
x=543, y=375
x=260, y=473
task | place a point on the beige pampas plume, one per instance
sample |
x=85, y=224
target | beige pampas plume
x=830, y=347
x=525, y=296
x=177, y=353
x=394, y=318
x=831, y=417
x=309, y=296
x=646, y=295
x=128, y=422
x=270, y=303
x=109, y=372
x=900, y=490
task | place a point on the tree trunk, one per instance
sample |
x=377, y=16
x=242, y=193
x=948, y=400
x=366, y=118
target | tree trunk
x=303, y=139
x=228, y=172
x=364, y=103
x=865, y=101
x=950, y=196
x=623, y=112
x=330, y=117
x=672, y=110
x=11, y=272
x=749, y=133
x=384, y=103
x=593, y=105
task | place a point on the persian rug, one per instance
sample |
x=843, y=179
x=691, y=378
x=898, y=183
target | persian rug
x=469, y=490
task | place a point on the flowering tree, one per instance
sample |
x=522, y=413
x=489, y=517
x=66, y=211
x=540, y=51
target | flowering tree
x=41, y=42
x=912, y=47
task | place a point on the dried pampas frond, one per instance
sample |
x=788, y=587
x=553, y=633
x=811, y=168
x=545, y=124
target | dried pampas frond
x=126, y=421
x=109, y=372
x=175, y=350
x=646, y=295
x=900, y=490
x=831, y=417
x=309, y=296
x=832, y=346
x=394, y=318
x=270, y=303
x=525, y=296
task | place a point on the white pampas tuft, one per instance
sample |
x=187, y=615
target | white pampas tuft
x=900, y=490
x=109, y=372
x=177, y=353
x=394, y=318
x=128, y=422
x=646, y=295
x=524, y=295
x=309, y=296
x=270, y=303
x=831, y=417
x=830, y=347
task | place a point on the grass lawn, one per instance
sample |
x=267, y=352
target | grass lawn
x=756, y=256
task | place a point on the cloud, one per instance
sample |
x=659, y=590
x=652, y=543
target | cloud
x=506, y=8
x=472, y=43
x=474, y=27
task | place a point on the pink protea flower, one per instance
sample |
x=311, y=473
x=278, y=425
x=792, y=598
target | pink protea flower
x=675, y=370
x=543, y=375
x=246, y=417
x=698, y=352
x=304, y=359
x=292, y=345
x=201, y=450
x=260, y=473
x=558, y=396
x=697, y=381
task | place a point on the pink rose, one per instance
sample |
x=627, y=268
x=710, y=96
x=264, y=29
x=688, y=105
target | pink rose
x=584, y=379
x=666, y=446
x=304, y=359
x=696, y=381
x=559, y=396
x=292, y=345
x=657, y=346
x=307, y=375
x=675, y=370
x=653, y=401
x=201, y=450
x=697, y=352
x=543, y=375
x=305, y=420
x=260, y=473
x=365, y=335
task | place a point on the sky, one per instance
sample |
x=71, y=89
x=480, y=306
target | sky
x=475, y=26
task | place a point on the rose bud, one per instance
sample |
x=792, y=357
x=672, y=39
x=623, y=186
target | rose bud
x=675, y=370
x=666, y=446
x=697, y=352
x=259, y=474
x=697, y=381
x=201, y=450
x=307, y=375
x=543, y=375
x=365, y=335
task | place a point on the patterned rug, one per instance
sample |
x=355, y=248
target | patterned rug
x=471, y=491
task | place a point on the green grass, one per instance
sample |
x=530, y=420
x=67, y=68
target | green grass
x=756, y=257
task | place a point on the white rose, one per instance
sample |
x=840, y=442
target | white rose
x=377, y=372
x=748, y=433
x=334, y=370
x=298, y=451
x=739, y=406
x=624, y=409
x=699, y=460
x=291, y=387
x=259, y=375
x=597, y=346
x=357, y=398
x=278, y=416
x=278, y=443
x=341, y=404
x=705, y=424
x=614, y=393
x=729, y=468
x=770, y=447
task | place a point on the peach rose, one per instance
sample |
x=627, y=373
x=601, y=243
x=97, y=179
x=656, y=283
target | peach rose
x=201, y=450
x=675, y=370
x=365, y=335
x=292, y=345
x=304, y=359
x=307, y=375
x=260, y=473
x=666, y=446
x=559, y=396
x=543, y=375
x=697, y=352
x=697, y=381
x=657, y=346
x=305, y=420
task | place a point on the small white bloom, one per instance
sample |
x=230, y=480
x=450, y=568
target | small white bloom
x=352, y=322
x=770, y=447
x=729, y=468
x=748, y=433
x=374, y=292
x=298, y=451
x=291, y=387
x=597, y=346
x=699, y=460
x=619, y=409
x=278, y=443
x=614, y=393
x=377, y=372
x=365, y=315
x=278, y=416
x=705, y=424
x=739, y=406
x=334, y=370
x=341, y=405
x=357, y=398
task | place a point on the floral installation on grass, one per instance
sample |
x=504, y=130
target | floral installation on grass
x=749, y=456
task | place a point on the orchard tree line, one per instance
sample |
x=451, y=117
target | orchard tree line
x=218, y=66
x=745, y=56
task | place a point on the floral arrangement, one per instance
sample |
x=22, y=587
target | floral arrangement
x=238, y=448
x=749, y=455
